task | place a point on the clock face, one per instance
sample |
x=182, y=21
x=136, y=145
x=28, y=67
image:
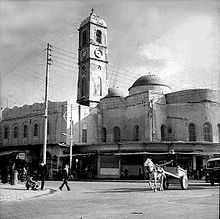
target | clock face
x=98, y=53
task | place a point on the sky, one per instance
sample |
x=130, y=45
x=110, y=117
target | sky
x=176, y=40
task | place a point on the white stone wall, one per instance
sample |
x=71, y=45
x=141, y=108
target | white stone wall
x=172, y=110
x=29, y=115
x=181, y=115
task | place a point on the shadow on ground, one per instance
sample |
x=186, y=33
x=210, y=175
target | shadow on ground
x=147, y=189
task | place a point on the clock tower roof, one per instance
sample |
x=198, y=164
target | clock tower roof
x=95, y=19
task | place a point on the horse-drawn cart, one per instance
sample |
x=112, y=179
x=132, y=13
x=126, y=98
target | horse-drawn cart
x=175, y=175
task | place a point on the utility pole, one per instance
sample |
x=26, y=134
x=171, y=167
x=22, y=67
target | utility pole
x=46, y=102
x=79, y=114
x=71, y=137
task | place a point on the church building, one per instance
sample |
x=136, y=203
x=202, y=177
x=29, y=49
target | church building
x=122, y=131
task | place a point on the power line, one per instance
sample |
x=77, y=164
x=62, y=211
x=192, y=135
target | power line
x=70, y=66
x=72, y=57
x=66, y=60
x=64, y=50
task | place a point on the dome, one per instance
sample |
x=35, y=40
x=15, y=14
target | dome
x=114, y=92
x=148, y=83
x=147, y=80
x=93, y=18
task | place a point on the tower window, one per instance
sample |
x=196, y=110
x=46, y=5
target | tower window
x=84, y=37
x=99, y=36
x=117, y=136
x=100, y=89
x=25, y=134
x=192, y=132
x=207, y=132
x=83, y=87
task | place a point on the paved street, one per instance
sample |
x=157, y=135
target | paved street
x=91, y=200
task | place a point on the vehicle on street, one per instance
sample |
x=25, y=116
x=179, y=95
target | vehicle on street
x=212, y=171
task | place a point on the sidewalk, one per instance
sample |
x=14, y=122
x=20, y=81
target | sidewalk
x=19, y=192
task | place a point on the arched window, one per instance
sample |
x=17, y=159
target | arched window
x=36, y=129
x=48, y=128
x=84, y=133
x=104, y=135
x=192, y=132
x=25, y=131
x=219, y=132
x=136, y=133
x=117, y=136
x=99, y=36
x=100, y=84
x=15, y=132
x=163, y=132
x=207, y=132
x=83, y=87
x=6, y=132
x=84, y=37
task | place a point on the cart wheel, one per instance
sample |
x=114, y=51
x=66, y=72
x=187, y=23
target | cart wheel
x=184, y=182
x=165, y=184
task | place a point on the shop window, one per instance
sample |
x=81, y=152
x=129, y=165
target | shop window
x=36, y=129
x=207, y=132
x=104, y=135
x=192, y=132
x=163, y=132
x=55, y=160
x=15, y=132
x=136, y=133
x=25, y=131
x=99, y=36
x=84, y=133
x=6, y=133
x=117, y=134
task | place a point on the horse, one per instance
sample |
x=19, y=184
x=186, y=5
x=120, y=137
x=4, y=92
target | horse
x=155, y=172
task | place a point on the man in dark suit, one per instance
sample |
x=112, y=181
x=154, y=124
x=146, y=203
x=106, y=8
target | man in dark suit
x=65, y=178
x=42, y=173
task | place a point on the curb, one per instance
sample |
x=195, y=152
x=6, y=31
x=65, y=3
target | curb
x=18, y=193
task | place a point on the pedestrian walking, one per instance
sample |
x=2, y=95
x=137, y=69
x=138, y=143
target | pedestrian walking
x=65, y=178
x=42, y=173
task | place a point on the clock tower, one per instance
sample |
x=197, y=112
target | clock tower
x=92, y=60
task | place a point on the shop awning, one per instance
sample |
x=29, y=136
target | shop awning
x=199, y=153
x=165, y=153
x=77, y=155
x=141, y=153
x=5, y=153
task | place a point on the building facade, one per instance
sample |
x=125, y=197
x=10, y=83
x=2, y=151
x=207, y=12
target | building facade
x=23, y=134
x=151, y=121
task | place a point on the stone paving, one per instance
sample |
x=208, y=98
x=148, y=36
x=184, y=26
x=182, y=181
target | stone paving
x=19, y=192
